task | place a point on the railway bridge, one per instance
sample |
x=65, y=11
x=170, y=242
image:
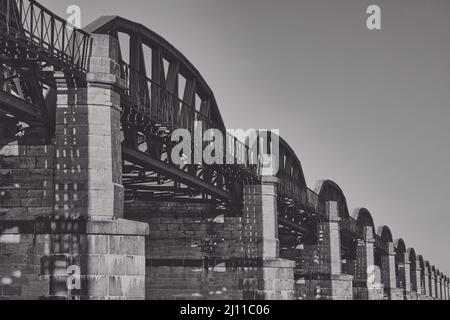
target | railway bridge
x=93, y=204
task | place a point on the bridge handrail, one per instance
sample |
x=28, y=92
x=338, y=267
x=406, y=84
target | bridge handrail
x=46, y=32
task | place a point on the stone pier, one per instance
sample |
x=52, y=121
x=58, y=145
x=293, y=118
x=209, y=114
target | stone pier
x=62, y=232
x=419, y=288
x=273, y=278
x=390, y=280
x=336, y=285
x=427, y=285
x=408, y=294
x=374, y=286
x=433, y=293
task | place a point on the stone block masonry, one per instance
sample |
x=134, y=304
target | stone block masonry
x=26, y=180
x=275, y=276
x=194, y=251
x=318, y=273
x=36, y=256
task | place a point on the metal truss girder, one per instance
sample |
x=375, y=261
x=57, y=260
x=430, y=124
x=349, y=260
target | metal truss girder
x=156, y=188
x=293, y=226
x=108, y=24
x=165, y=169
x=18, y=107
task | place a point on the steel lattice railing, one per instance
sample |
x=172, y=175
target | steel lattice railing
x=48, y=35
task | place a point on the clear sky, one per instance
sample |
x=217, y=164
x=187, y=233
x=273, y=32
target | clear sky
x=367, y=109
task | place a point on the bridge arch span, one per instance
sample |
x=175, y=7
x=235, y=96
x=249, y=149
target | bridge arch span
x=414, y=267
x=428, y=278
x=289, y=157
x=293, y=188
x=385, y=233
x=423, y=282
x=428, y=266
x=421, y=261
x=438, y=284
x=165, y=92
x=329, y=190
x=400, y=265
x=411, y=254
x=165, y=59
x=363, y=218
x=433, y=281
x=400, y=245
